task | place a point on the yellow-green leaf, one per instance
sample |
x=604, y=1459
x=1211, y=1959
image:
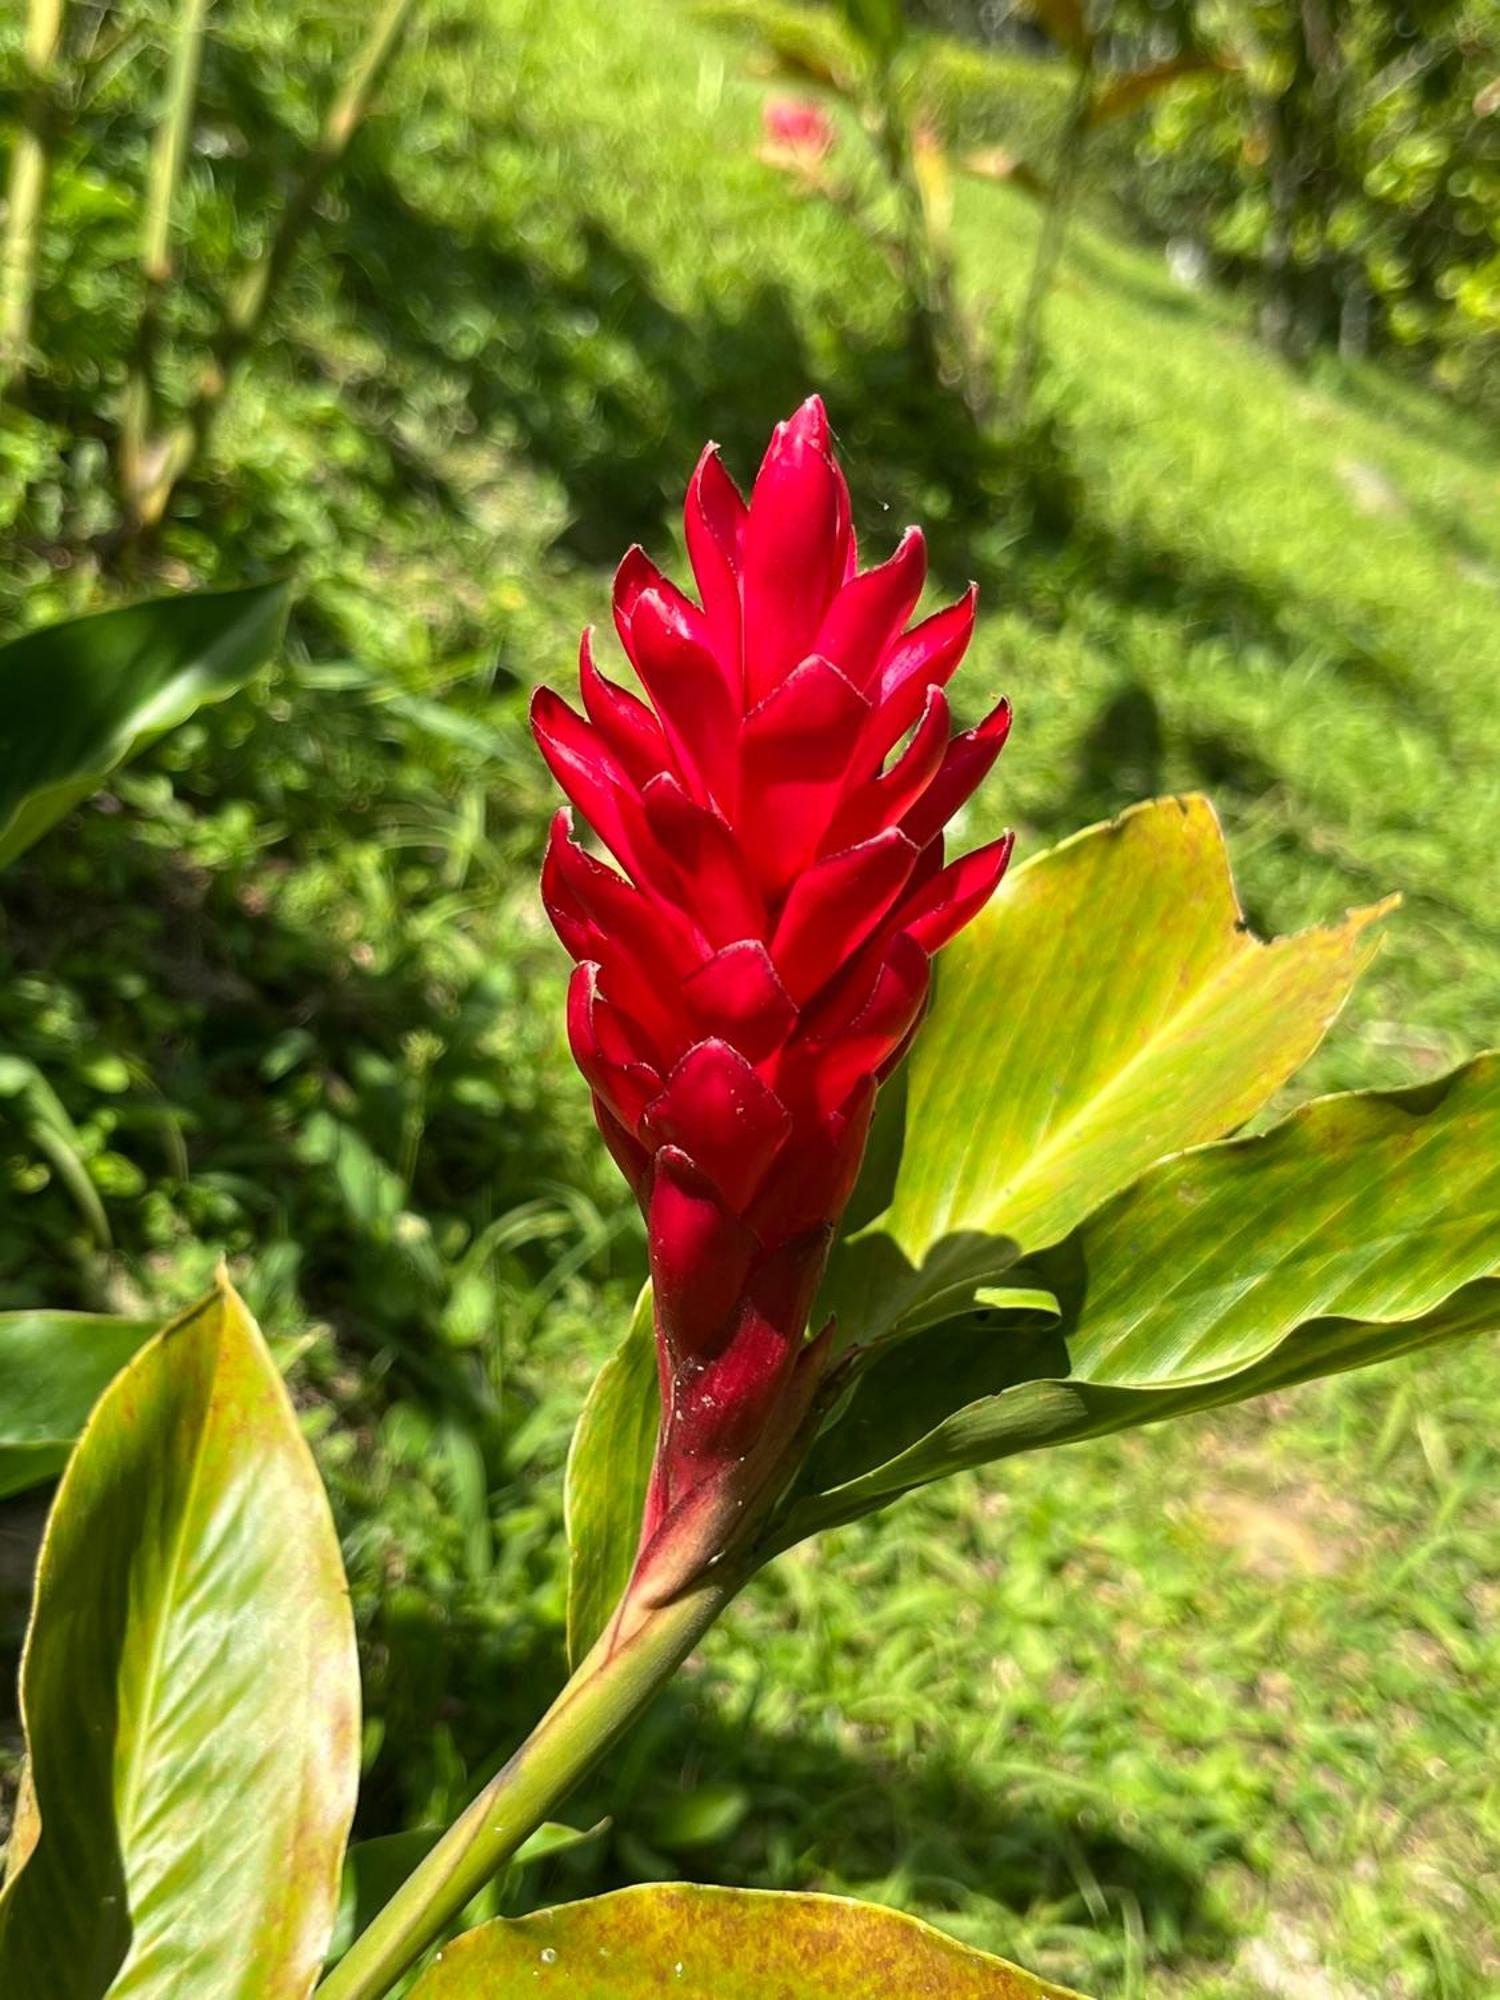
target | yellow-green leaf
x=189, y=1692
x=1362, y=1227
x=721, y=1944
x=79, y=698
x=1109, y=1007
x=609, y=1468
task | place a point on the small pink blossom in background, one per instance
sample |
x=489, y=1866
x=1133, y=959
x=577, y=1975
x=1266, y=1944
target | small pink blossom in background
x=796, y=130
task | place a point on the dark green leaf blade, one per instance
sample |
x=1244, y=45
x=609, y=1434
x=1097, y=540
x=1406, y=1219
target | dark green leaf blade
x=1360, y=1228
x=189, y=1692
x=700, y=1943
x=79, y=698
x=1109, y=1007
x=53, y=1368
x=609, y=1469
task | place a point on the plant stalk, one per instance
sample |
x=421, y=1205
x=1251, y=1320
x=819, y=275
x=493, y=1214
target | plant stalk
x=251, y=297
x=27, y=192
x=925, y=256
x=617, y=1681
x=1064, y=183
x=168, y=157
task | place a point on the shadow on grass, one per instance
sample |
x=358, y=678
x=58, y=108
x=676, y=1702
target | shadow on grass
x=568, y=352
x=698, y=1792
x=276, y=1061
x=1408, y=409
x=819, y=1816
x=611, y=390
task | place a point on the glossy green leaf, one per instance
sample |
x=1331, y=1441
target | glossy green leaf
x=609, y=1469
x=552, y=1837
x=77, y=699
x=189, y=1692
x=700, y=1943
x=1109, y=1007
x=53, y=1368
x=1362, y=1227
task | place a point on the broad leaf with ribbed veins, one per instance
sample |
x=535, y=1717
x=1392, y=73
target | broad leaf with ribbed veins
x=1110, y=1006
x=1362, y=1227
x=189, y=1692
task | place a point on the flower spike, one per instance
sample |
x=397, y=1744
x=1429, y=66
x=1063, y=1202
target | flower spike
x=760, y=959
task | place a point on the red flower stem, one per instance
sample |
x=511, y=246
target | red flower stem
x=615, y=1684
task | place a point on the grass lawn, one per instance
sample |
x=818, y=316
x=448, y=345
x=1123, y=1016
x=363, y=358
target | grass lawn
x=1212, y=1710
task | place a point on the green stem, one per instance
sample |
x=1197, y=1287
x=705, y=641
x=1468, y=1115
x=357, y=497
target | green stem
x=1050, y=242
x=27, y=191
x=925, y=254
x=251, y=297
x=614, y=1685
x=168, y=156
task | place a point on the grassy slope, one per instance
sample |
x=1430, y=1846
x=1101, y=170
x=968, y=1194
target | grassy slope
x=1208, y=1710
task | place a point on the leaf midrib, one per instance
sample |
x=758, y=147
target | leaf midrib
x=130, y=1790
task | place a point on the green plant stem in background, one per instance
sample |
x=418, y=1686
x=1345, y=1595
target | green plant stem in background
x=614, y=1685
x=27, y=192
x=137, y=451
x=1061, y=189
x=252, y=296
x=925, y=257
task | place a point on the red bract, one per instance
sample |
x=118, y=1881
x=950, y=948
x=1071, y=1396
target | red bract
x=759, y=959
x=797, y=128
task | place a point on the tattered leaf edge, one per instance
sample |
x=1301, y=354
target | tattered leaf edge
x=1191, y=806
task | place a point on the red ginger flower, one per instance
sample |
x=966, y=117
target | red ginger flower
x=762, y=960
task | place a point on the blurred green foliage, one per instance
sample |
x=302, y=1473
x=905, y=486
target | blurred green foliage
x=1197, y=1695
x=1349, y=170
x=1342, y=166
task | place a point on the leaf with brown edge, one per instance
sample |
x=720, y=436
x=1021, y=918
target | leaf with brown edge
x=189, y=1692
x=1111, y=1006
x=699, y=1943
